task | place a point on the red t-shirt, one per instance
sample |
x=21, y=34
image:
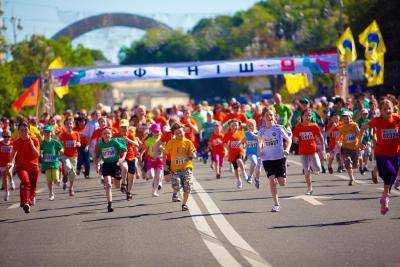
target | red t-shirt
x=189, y=135
x=235, y=144
x=219, y=117
x=216, y=142
x=161, y=120
x=25, y=158
x=69, y=141
x=307, y=136
x=333, y=136
x=388, y=136
x=5, y=153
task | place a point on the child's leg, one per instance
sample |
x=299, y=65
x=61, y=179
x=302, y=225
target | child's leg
x=240, y=164
x=107, y=187
x=274, y=191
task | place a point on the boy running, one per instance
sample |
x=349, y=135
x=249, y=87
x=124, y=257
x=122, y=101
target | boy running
x=251, y=144
x=50, y=149
x=273, y=152
x=182, y=151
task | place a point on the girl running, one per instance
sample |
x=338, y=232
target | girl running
x=234, y=140
x=307, y=135
x=216, y=146
x=273, y=151
x=387, y=148
x=6, y=166
x=112, y=152
x=333, y=147
x=251, y=144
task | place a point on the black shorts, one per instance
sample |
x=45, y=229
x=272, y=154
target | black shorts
x=131, y=166
x=234, y=162
x=111, y=169
x=275, y=168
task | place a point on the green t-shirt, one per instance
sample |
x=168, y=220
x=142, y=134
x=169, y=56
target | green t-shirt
x=367, y=134
x=199, y=118
x=208, y=129
x=314, y=118
x=249, y=115
x=284, y=114
x=109, y=152
x=50, y=151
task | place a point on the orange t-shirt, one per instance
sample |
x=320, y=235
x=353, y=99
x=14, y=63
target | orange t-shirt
x=25, y=158
x=235, y=144
x=189, y=135
x=216, y=142
x=307, y=135
x=388, y=136
x=161, y=120
x=97, y=134
x=84, y=139
x=69, y=141
x=238, y=116
x=333, y=136
x=5, y=153
x=219, y=117
x=131, y=152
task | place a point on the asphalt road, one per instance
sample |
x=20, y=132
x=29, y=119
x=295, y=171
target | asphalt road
x=340, y=226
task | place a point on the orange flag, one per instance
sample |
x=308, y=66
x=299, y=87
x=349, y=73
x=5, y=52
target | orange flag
x=28, y=98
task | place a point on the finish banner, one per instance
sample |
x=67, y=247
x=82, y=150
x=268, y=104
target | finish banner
x=314, y=65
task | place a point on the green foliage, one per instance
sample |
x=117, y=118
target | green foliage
x=269, y=28
x=32, y=58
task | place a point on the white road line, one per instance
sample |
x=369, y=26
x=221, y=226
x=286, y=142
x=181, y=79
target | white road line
x=17, y=205
x=392, y=192
x=311, y=199
x=216, y=248
x=252, y=257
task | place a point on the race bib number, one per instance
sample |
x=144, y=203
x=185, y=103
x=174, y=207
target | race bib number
x=306, y=136
x=350, y=138
x=271, y=142
x=108, y=152
x=335, y=134
x=235, y=144
x=6, y=149
x=252, y=144
x=389, y=134
x=70, y=144
x=181, y=161
x=48, y=158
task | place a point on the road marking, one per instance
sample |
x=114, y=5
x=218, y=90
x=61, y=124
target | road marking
x=247, y=252
x=392, y=192
x=311, y=199
x=17, y=205
x=215, y=246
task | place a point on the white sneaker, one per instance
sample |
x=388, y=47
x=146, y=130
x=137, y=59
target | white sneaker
x=155, y=194
x=239, y=184
x=275, y=208
x=51, y=197
x=309, y=192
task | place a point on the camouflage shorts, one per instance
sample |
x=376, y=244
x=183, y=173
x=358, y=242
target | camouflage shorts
x=182, y=179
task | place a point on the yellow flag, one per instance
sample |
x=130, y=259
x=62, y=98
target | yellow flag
x=60, y=91
x=296, y=82
x=374, y=70
x=347, y=47
x=371, y=38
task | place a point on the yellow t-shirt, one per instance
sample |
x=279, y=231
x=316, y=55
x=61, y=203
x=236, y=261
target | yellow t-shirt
x=179, y=151
x=348, y=136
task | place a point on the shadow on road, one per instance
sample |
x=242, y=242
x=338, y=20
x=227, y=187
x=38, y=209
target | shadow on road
x=319, y=225
x=130, y=217
x=210, y=214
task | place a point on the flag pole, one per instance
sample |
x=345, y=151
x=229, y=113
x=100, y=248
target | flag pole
x=39, y=94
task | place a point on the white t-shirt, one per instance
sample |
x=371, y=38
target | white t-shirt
x=273, y=142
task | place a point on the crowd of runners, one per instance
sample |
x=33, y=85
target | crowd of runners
x=160, y=145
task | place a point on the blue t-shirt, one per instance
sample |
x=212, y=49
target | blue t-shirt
x=251, y=143
x=208, y=129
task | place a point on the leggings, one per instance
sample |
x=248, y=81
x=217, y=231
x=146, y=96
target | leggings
x=29, y=179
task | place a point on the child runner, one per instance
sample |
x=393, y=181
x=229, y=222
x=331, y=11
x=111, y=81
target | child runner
x=365, y=141
x=182, y=151
x=273, y=152
x=132, y=145
x=207, y=130
x=112, y=152
x=234, y=139
x=26, y=154
x=216, y=146
x=154, y=163
x=251, y=144
x=50, y=149
x=333, y=147
x=307, y=135
x=387, y=148
x=6, y=148
x=348, y=137
x=71, y=141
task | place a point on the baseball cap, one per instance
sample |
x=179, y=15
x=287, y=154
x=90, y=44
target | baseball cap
x=305, y=101
x=347, y=113
x=48, y=128
x=155, y=129
x=124, y=123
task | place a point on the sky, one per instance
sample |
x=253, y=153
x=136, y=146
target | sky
x=47, y=17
